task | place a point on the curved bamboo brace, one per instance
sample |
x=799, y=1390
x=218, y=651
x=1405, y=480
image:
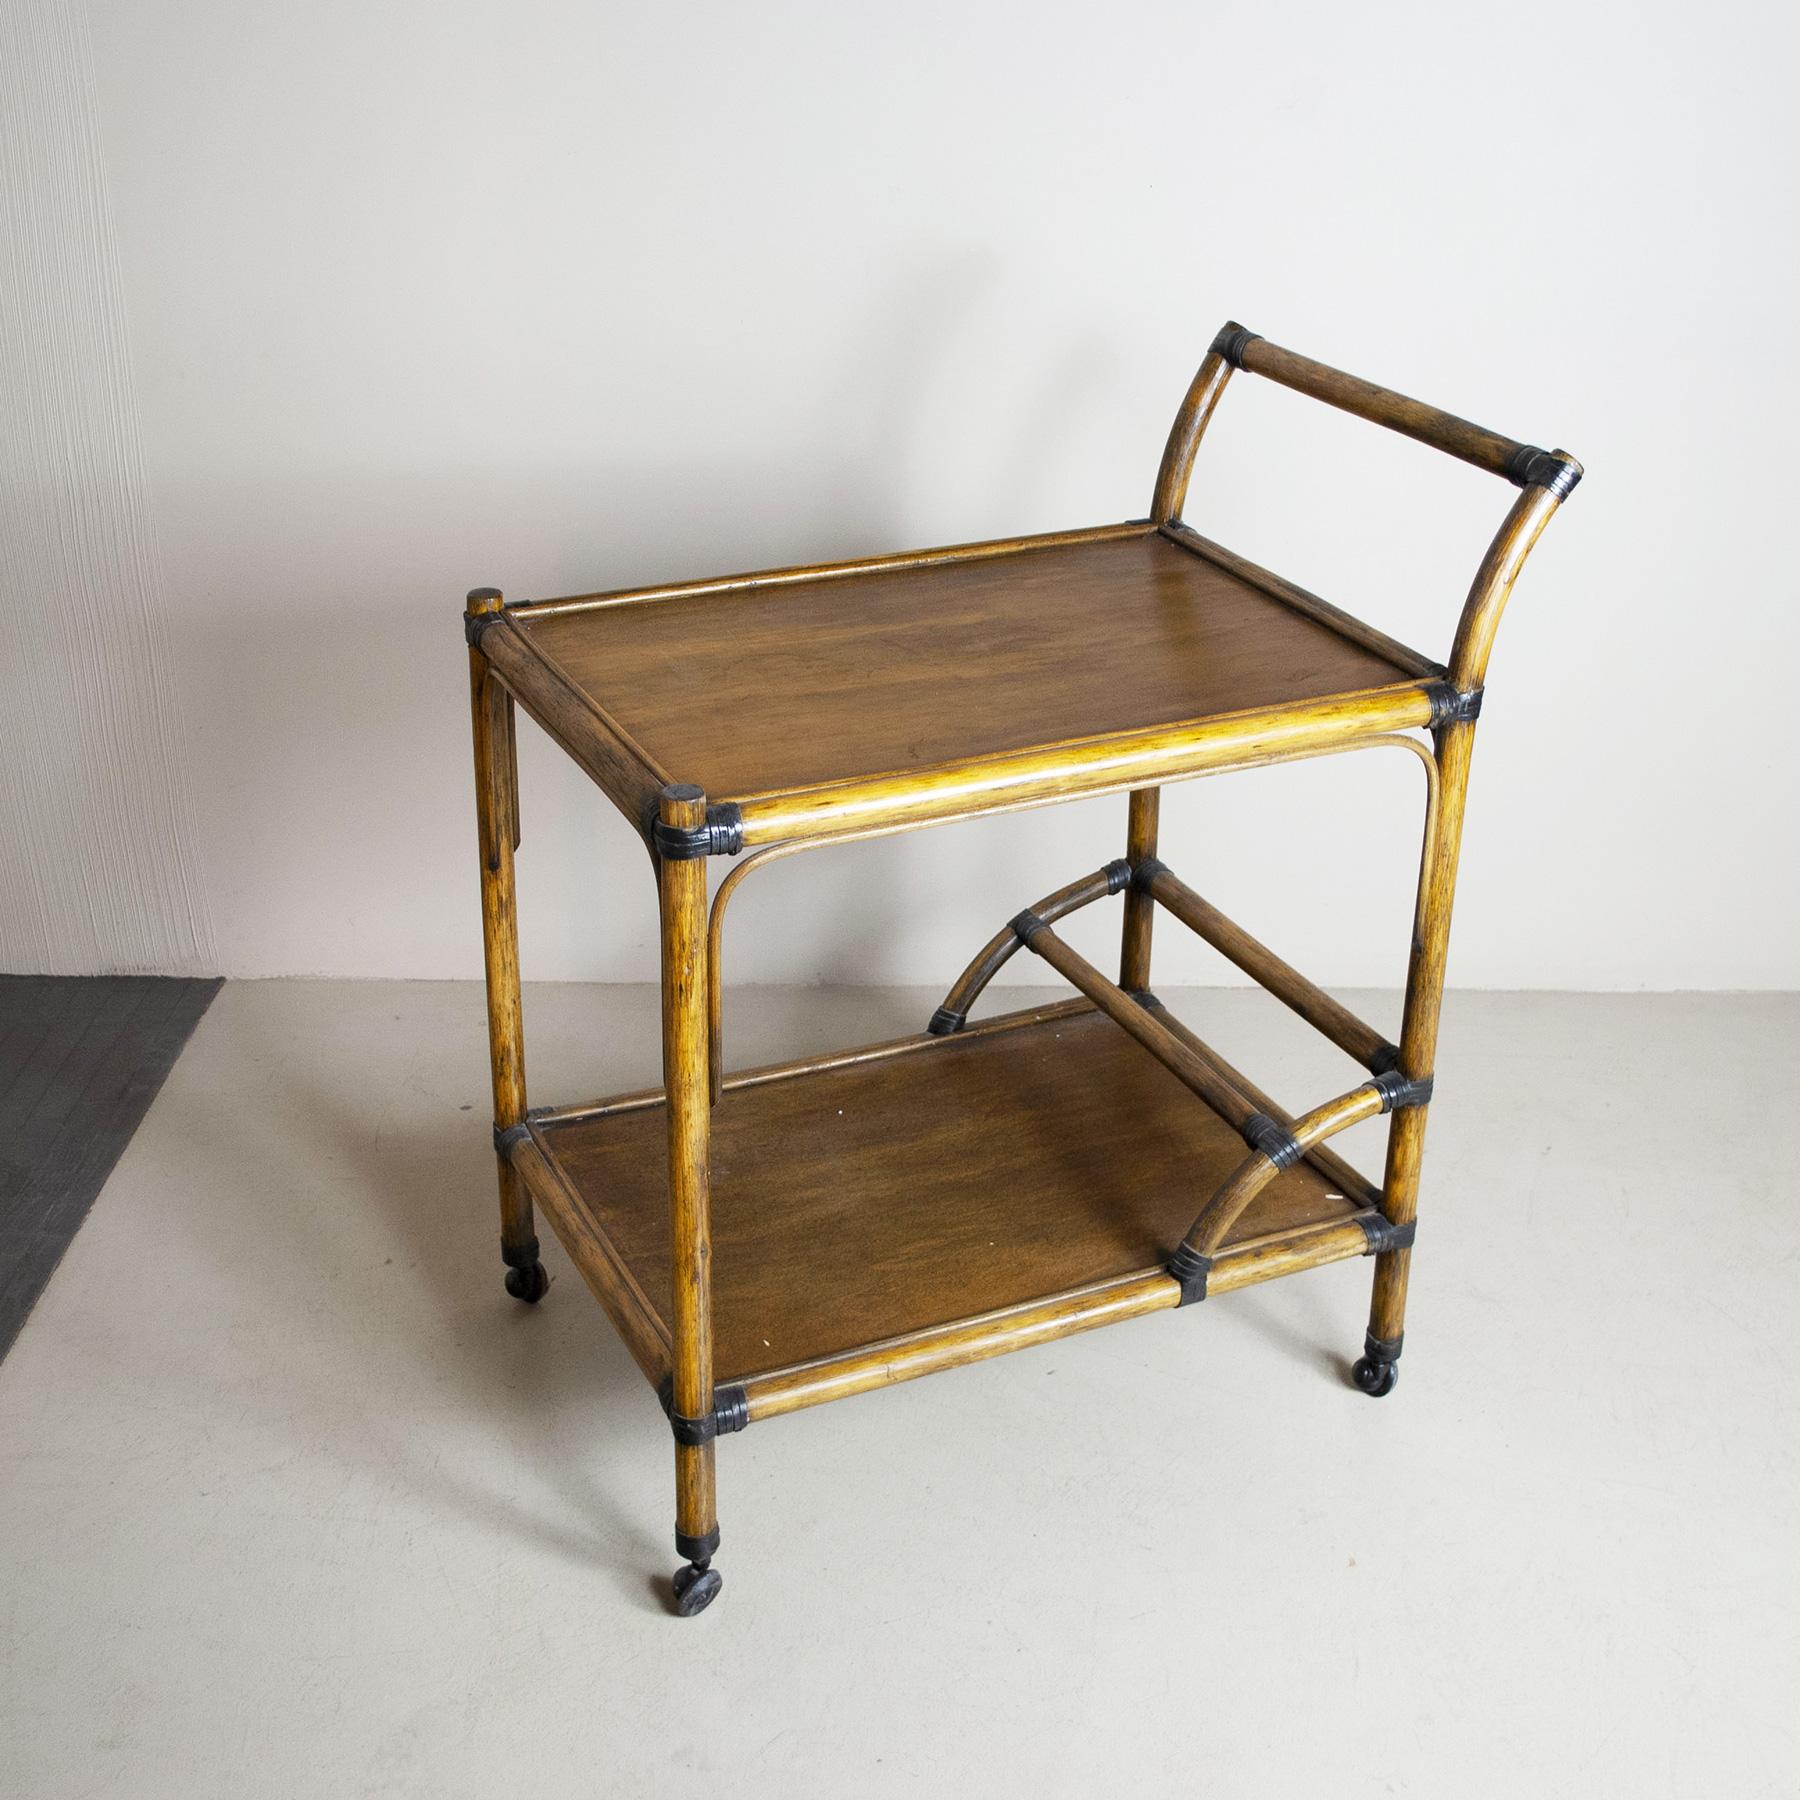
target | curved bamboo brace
x=1261, y=1167
x=1192, y=1263
x=993, y=956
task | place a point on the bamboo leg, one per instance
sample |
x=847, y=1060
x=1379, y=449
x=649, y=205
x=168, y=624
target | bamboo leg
x=1140, y=909
x=1375, y=1372
x=496, y=813
x=687, y=1081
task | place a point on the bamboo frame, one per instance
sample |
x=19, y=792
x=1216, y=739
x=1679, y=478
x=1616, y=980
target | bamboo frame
x=673, y=1346
x=929, y=1351
x=1353, y=1182
x=1000, y=949
x=496, y=816
x=1257, y=1170
x=688, y=1083
x=1142, y=821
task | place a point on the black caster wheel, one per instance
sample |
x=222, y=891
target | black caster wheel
x=529, y=1284
x=696, y=1588
x=1374, y=1378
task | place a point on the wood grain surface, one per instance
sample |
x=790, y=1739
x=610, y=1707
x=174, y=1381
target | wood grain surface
x=862, y=1202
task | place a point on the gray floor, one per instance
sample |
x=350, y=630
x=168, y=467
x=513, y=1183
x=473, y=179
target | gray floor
x=81, y=1058
x=298, y=1503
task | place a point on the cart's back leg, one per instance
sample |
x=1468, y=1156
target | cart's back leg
x=497, y=816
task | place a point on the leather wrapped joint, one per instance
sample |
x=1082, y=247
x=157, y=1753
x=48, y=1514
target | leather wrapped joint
x=1276, y=1142
x=1384, y=1235
x=947, y=1022
x=1146, y=872
x=722, y=834
x=1232, y=342
x=731, y=1412
x=1398, y=1092
x=485, y=605
x=1191, y=1269
x=506, y=1137
x=1557, y=470
x=1026, y=925
x=1451, y=706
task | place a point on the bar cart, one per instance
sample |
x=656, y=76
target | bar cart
x=776, y=1238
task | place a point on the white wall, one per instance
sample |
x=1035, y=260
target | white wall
x=556, y=295
x=97, y=866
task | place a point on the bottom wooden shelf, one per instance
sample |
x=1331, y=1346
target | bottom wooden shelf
x=939, y=1199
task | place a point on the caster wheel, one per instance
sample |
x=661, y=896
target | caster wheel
x=1374, y=1378
x=696, y=1588
x=529, y=1284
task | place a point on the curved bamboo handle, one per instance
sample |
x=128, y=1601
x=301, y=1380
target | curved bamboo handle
x=1547, y=477
x=1519, y=531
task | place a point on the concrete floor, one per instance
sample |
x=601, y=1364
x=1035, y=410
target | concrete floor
x=297, y=1502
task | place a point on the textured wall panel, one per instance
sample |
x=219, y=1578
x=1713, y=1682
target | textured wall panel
x=98, y=867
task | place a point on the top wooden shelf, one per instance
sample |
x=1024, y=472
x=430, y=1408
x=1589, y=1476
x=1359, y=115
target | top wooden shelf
x=948, y=683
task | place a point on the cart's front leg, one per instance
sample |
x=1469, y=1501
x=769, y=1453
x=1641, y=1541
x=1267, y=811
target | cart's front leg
x=687, y=1080
x=1375, y=1372
x=497, y=816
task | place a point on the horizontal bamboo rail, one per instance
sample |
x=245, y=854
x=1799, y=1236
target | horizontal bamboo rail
x=1266, y=969
x=964, y=1341
x=1490, y=450
x=548, y=1117
x=799, y=573
x=986, y=786
x=624, y=772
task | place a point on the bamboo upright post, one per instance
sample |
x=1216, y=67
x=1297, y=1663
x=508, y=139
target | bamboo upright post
x=1552, y=480
x=1375, y=1371
x=1140, y=909
x=687, y=1081
x=496, y=816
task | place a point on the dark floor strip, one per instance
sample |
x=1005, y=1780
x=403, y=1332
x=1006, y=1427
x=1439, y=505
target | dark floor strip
x=81, y=1058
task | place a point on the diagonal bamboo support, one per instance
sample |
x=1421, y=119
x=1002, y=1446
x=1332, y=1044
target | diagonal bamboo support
x=1197, y=1070
x=1328, y=1016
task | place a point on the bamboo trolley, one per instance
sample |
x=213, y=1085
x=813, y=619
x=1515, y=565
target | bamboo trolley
x=769, y=1240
